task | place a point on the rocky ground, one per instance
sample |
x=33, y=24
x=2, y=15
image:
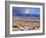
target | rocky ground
x=22, y=25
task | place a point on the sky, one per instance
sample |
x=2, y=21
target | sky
x=25, y=11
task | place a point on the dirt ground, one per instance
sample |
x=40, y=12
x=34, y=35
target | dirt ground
x=21, y=25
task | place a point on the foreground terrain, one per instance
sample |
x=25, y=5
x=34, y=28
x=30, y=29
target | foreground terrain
x=24, y=25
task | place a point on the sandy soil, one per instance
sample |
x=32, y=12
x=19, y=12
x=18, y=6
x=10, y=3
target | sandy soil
x=22, y=25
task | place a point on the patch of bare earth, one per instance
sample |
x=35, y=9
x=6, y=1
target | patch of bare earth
x=24, y=25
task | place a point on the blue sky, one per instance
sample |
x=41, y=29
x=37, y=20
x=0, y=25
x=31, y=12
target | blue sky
x=28, y=11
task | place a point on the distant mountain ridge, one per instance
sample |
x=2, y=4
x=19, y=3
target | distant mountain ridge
x=27, y=15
